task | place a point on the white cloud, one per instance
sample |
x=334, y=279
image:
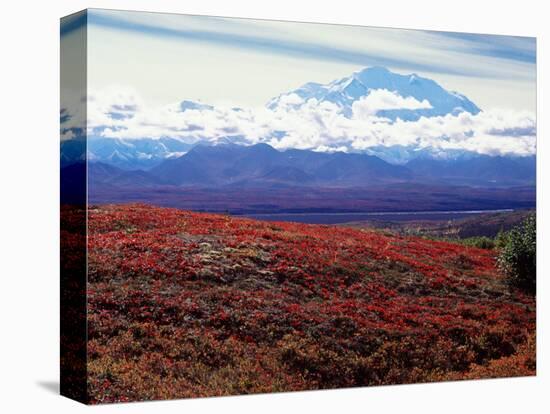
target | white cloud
x=382, y=99
x=290, y=100
x=317, y=126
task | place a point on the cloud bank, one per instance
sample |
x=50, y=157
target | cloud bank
x=121, y=113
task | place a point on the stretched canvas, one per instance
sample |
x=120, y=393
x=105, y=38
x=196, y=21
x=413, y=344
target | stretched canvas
x=255, y=206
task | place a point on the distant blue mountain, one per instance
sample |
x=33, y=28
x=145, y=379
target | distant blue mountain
x=100, y=174
x=72, y=151
x=262, y=165
x=344, y=92
x=129, y=154
x=256, y=164
x=478, y=170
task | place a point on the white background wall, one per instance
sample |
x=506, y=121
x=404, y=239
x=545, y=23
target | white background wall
x=29, y=292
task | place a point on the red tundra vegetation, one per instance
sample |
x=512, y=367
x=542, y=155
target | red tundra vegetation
x=184, y=304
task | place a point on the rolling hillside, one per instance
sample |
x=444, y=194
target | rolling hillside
x=185, y=304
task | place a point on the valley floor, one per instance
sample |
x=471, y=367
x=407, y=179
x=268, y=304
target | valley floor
x=185, y=304
x=482, y=224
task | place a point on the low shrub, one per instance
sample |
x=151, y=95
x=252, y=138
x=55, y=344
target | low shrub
x=481, y=242
x=518, y=257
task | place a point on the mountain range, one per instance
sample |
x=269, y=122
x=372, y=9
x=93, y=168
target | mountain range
x=236, y=162
x=263, y=165
x=129, y=154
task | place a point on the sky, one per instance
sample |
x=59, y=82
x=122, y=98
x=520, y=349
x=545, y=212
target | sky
x=144, y=64
x=170, y=57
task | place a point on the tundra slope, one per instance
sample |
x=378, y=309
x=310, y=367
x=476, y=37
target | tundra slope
x=184, y=304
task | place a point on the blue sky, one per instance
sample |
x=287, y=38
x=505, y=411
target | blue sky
x=506, y=47
x=169, y=57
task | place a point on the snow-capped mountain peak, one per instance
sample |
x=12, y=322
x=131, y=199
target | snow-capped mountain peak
x=344, y=92
x=192, y=105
